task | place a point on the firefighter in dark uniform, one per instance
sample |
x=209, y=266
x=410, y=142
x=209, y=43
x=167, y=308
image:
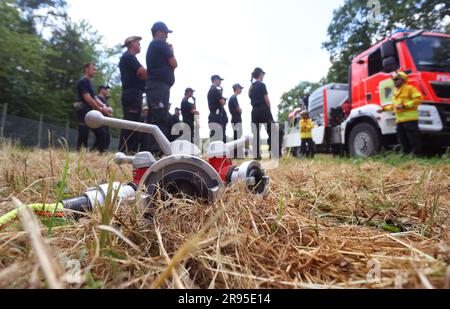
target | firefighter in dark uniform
x=261, y=113
x=236, y=114
x=87, y=101
x=104, y=98
x=306, y=99
x=161, y=65
x=173, y=122
x=189, y=111
x=217, y=113
x=176, y=117
x=133, y=76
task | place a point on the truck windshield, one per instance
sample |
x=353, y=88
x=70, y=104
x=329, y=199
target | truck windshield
x=431, y=53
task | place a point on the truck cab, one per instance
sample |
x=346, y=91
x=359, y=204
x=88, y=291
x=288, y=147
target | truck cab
x=425, y=57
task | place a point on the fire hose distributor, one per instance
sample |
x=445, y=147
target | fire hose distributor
x=181, y=171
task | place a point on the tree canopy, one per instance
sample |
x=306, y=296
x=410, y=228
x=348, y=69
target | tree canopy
x=42, y=53
x=358, y=24
x=291, y=99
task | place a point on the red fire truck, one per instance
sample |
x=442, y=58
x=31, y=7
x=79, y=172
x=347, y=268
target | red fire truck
x=355, y=124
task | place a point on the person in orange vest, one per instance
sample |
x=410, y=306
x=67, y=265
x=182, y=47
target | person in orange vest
x=405, y=103
x=306, y=126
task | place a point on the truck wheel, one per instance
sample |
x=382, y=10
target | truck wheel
x=364, y=141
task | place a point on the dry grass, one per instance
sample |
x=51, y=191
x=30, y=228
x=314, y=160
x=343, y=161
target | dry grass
x=324, y=224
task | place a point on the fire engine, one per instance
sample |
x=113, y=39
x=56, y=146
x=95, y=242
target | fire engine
x=346, y=116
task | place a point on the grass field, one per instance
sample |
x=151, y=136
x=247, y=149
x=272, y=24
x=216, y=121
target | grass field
x=327, y=223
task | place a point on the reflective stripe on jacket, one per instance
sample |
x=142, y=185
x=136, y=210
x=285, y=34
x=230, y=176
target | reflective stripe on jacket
x=406, y=100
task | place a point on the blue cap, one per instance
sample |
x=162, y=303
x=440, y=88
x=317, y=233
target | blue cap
x=259, y=71
x=216, y=77
x=160, y=26
x=189, y=90
x=237, y=86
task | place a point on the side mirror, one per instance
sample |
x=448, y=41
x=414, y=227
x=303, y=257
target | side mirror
x=388, y=49
x=390, y=64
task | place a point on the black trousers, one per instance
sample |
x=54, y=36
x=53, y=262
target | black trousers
x=107, y=139
x=308, y=147
x=213, y=132
x=261, y=116
x=237, y=128
x=237, y=134
x=132, y=107
x=158, y=96
x=409, y=137
x=100, y=143
x=192, y=129
x=258, y=138
x=130, y=141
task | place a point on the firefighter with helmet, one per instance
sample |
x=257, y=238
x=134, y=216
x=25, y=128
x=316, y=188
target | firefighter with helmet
x=405, y=103
x=306, y=126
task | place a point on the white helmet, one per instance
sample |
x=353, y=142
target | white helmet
x=306, y=92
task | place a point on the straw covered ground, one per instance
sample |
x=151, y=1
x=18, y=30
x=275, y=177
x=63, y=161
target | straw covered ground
x=327, y=223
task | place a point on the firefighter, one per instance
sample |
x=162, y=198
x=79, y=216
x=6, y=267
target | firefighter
x=405, y=103
x=261, y=112
x=236, y=113
x=189, y=111
x=133, y=76
x=88, y=101
x=218, y=115
x=161, y=65
x=306, y=126
x=176, y=117
x=306, y=99
x=103, y=96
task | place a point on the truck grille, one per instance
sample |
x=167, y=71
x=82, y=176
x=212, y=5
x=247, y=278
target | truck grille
x=442, y=90
x=444, y=111
x=446, y=117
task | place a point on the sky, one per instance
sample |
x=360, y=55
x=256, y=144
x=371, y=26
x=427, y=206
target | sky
x=229, y=38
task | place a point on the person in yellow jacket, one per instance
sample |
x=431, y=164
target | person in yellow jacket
x=306, y=126
x=405, y=103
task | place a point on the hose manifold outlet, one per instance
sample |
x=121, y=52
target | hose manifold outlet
x=252, y=177
x=181, y=175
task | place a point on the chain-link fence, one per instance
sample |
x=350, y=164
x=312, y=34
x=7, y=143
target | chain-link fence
x=37, y=133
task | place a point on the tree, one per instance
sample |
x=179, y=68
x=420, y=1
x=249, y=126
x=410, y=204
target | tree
x=42, y=14
x=291, y=99
x=354, y=28
x=22, y=62
x=39, y=69
x=75, y=44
